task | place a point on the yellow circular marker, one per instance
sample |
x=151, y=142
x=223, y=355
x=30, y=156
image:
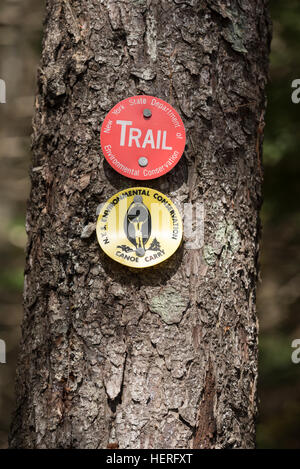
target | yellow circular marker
x=139, y=227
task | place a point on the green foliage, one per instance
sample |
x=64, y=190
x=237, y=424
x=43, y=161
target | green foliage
x=275, y=360
x=282, y=133
x=12, y=280
x=279, y=383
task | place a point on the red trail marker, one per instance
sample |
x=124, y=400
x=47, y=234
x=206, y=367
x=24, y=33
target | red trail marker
x=142, y=137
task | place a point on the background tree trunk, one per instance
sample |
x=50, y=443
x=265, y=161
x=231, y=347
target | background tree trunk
x=165, y=357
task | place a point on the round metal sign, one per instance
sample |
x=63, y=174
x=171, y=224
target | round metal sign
x=142, y=137
x=139, y=227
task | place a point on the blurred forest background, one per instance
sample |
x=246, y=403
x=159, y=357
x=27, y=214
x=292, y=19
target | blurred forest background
x=279, y=292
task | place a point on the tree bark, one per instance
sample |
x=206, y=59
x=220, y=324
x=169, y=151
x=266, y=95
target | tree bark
x=106, y=360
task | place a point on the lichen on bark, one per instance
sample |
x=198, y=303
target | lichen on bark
x=169, y=304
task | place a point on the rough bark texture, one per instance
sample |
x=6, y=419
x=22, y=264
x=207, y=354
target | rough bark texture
x=103, y=364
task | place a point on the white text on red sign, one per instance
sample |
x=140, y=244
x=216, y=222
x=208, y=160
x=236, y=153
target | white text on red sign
x=157, y=141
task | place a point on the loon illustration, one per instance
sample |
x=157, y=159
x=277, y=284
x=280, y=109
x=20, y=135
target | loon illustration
x=137, y=224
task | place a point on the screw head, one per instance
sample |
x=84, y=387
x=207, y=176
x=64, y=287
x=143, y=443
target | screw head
x=147, y=113
x=140, y=252
x=143, y=161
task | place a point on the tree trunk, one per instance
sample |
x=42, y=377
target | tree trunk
x=165, y=357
